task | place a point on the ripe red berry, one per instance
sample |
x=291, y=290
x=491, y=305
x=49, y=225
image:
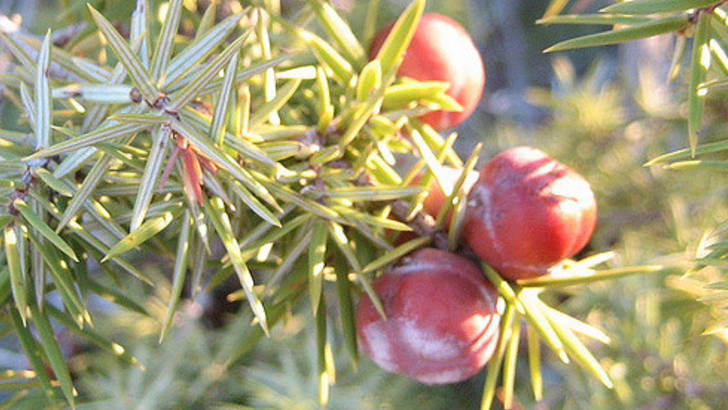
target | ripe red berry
x=436, y=195
x=441, y=50
x=442, y=324
x=527, y=212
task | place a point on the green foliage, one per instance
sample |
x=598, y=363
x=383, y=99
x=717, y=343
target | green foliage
x=264, y=145
x=707, y=24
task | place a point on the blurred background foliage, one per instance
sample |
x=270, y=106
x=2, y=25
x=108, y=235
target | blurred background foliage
x=603, y=111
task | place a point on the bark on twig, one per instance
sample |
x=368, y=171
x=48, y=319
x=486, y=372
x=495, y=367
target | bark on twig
x=422, y=224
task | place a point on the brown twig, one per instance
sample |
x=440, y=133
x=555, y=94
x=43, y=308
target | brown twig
x=421, y=224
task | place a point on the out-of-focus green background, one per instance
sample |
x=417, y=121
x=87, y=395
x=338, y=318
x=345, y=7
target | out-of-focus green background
x=604, y=112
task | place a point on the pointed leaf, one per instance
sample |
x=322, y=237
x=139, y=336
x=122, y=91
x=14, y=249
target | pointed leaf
x=12, y=45
x=43, y=119
x=457, y=188
x=509, y=364
x=74, y=161
x=370, y=21
x=98, y=249
x=337, y=233
x=324, y=107
x=199, y=259
x=196, y=52
x=400, y=95
x=699, y=164
x=593, y=276
x=621, y=35
x=222, y=104
x=525, y=302
x=207, y=20
x=435, y=140
x=29, y=105
x=215, y=210
x=394, y=47
x=328, y=154
x=37, y=266
x=329, y=57
x=316, y=264
x=347, y=313
x=165, y=43
x=269, y=80
x=288, y=195
x=148, y=229
x=283, y=94
x=180, y=270
x=534, y=363
x=359, y=221
x=656, y=6
x=63, y=279
x=98, y=93
x=271, y=237
x=340, y=31
x=127, y=57
x=148, y=119
x=140, y=28
x=84, y=192
x=224, y=160
x=152, y=171
x=430, y=159
x=95, y=338
x=246, y=74
x=192, y=89
x=578, y=326
x=457, y=222
x=53, y=182
x=22, y=248
x=507, y=324
x=555, y=7
x=93, y=137
x=369, y=80
x=17, y=275
x=608, y=19
x=37, y=223
x=63, y=66
x=244, y=148
x=321, y=350
x=686, y=152
x=369, y=193
x=90, y=70
x=395, y=254
x=577, y=350
x=254, y=204
x=699, y=66
x=53, y=352
x=301, y=241
x=117, y=297
x=28, y=342
x=536, y=316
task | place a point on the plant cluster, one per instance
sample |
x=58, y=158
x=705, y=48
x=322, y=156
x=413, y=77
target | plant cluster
x=705, y=23
x=256, y=148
